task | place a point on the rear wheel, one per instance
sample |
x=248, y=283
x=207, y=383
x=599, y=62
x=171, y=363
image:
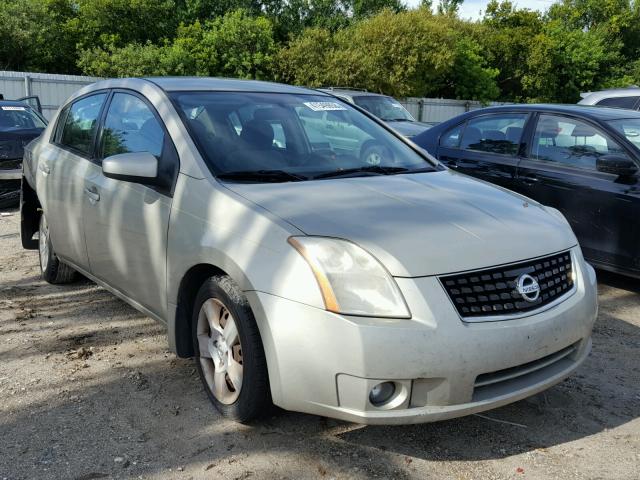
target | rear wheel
x=228, y=350
x=52, y=269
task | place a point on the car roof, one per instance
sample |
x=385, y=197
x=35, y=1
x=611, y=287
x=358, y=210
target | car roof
x=13, y=103
x=225, y=85
x=347, y=92
x=587, y=111
x=593, y=97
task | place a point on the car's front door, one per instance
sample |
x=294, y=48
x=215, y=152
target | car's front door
x=485, y=146
x=602, y=208
x=62, y=166
x=126, y=223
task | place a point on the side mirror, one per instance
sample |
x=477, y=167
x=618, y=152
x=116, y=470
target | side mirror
x=137, y=167
x=616, y=165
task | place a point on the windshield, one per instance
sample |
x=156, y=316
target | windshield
x=291, y=137
x=630, y=128
x=18, y=117
x=385, y=108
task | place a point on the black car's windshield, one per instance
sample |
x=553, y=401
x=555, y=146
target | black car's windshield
x=18, y=117
x=275, y=137
x=385, y=108
x=630, y=128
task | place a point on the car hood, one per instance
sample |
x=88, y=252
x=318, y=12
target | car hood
x=12, y=142
x=418, y=224
x=409, y=129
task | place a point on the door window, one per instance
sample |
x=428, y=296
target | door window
x=131, y=126
x=618, y=102
x=451, y=139
x=571, y=142
x=499, y=134
x=81, y=123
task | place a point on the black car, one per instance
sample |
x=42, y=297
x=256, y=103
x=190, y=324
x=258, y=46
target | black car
x=19, y=124
x=584, y=161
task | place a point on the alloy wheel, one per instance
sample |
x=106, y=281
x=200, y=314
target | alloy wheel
x=220, y=351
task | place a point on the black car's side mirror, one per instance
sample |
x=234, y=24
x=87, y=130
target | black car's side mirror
x=616, y=165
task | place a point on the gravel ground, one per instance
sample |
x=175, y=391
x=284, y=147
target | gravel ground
x=88, y=390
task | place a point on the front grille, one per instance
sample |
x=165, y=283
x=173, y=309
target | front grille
x=12, y=164
x=494, y=291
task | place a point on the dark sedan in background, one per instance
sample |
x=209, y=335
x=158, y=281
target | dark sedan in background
x=584, y=161
x=19, y=124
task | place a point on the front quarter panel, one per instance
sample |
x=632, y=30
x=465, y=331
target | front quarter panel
x=212, y=225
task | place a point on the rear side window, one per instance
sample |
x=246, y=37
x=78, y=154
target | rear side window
x=499, y=134
x=571, y=142
x=81, y=123
x=130, y=126
x=619, y=102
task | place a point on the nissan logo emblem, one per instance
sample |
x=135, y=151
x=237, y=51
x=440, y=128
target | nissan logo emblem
x=528, y=287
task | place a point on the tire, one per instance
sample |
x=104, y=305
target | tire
x=52, y=269
x=373, y=153
x=232, y=366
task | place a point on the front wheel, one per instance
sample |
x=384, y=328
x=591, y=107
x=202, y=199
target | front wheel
x=228, y=350
x=52, y=269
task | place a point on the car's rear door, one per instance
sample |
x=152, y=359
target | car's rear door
x=126, y=223
x=485, y=146
x=62, y=165
x=560, y=171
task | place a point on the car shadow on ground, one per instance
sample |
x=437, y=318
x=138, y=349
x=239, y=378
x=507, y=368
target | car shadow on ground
x=150, y=411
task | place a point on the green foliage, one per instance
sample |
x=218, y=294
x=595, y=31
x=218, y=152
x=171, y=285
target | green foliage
x=412, y=53
x=449, y=7
x=511, y=54
x=236, y=45
x=120, y=22
x=36, y=36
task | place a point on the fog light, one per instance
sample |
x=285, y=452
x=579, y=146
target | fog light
x=382, y=393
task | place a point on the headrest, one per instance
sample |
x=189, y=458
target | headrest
x=514, y=134
x=273, y=113
x=258, y=134
x=471, y=136
x=583, y=131
x=548, y=128
x=495, y=135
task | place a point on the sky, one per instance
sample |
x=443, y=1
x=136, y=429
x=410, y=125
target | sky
x=472, y=8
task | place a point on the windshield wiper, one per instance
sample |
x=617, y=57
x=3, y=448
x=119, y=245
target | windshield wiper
x=266, y=176
x=375, y=169
x=398, y=120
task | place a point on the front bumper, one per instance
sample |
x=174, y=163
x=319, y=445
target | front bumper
x=15, y=174
x=326, y=364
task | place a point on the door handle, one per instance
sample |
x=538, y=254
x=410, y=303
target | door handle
x=530, y=179
x=92, y=193
x=44, y=168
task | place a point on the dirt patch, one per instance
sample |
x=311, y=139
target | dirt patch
x=88, y=390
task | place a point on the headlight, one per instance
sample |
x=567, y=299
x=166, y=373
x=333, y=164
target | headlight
x=351, y=280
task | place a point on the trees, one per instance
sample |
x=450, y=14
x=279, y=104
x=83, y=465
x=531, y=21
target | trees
x=511, y=54
x=235, y=45
x=412, y=53
x=36, y=35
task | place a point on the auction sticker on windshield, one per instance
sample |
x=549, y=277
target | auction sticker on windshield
x=324, y=106
x=12, y=108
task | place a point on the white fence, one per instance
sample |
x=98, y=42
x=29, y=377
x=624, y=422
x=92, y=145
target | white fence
x=52, y=89
x=436, y=110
